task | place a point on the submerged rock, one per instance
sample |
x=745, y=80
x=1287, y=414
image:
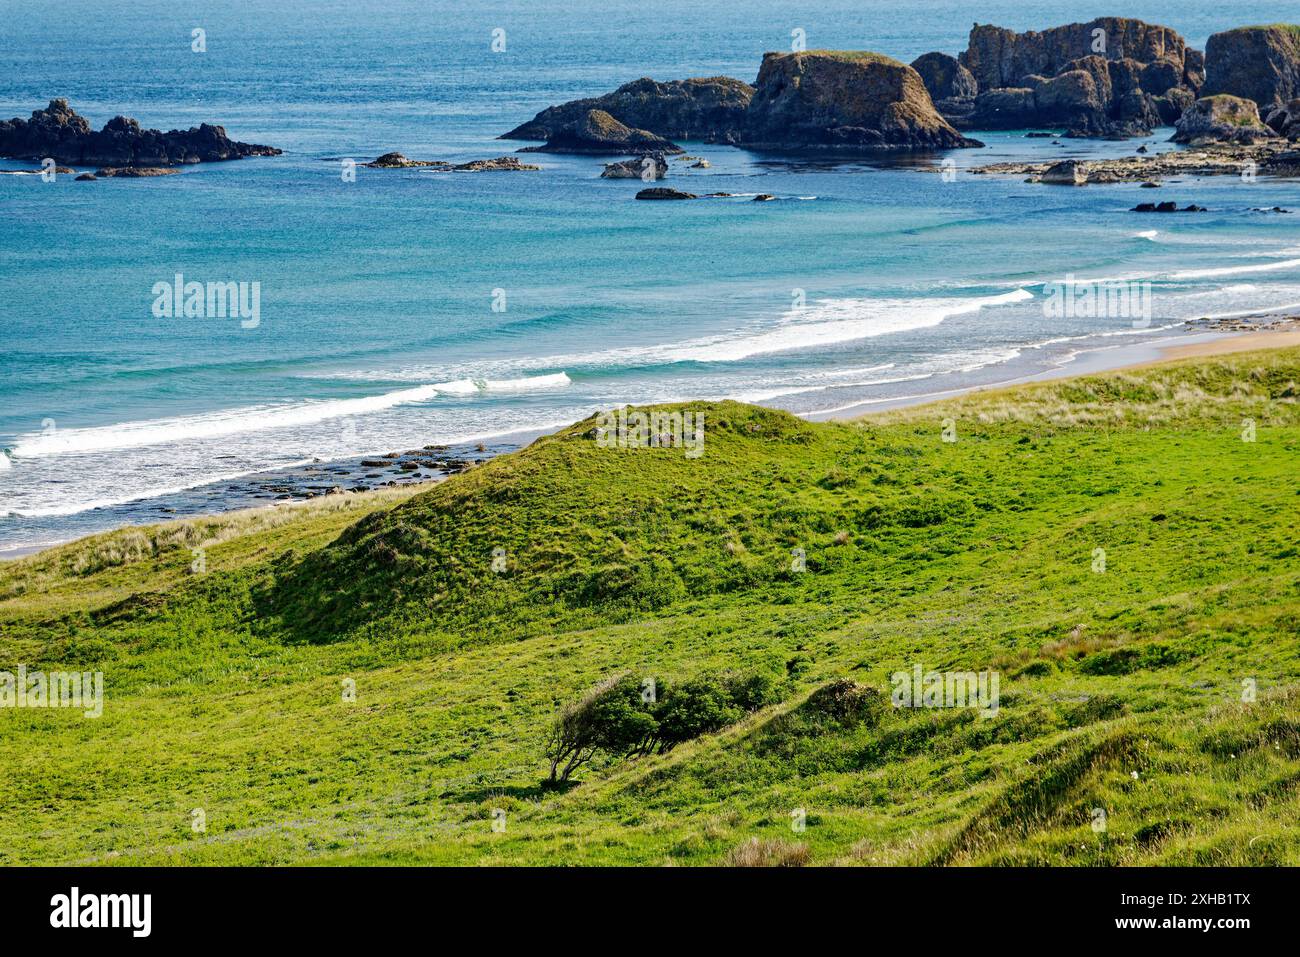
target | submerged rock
x=398, y=161
x=1169, y=207
x=60, y=133
x=598, y=132
x=502, y=164
x=134, y=172
x=836, y=99
x=1222, y=119
x=663, y=192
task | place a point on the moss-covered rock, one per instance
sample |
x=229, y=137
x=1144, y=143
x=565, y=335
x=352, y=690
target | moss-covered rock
x=844, y=100
x=1222, y=119
x=599, y=133
x=1256, y=63
x=703, y=108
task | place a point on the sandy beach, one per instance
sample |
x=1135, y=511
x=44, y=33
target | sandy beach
x=1094, y=361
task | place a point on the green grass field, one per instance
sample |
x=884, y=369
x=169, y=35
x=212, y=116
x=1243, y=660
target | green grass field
x=1121, y=689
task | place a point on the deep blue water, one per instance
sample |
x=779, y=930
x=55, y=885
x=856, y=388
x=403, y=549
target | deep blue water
x=377, y=329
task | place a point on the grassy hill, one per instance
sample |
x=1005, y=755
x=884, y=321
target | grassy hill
x=1121, y=688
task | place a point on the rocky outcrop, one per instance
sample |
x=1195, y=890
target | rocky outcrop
x=1222, y=119
x=60, y=133
x=1108, y=77
x=1066, y=173
x=1270, y=157
x=644, y=168
x=599, y=133
x=502, y=164
x=951, y=86
x=1256, y=63
x=944, y=76
x=852, y=100
x=134, y=172
x=1169, y=207
x=708, y=108
x=1284, y=120
x=398, y=161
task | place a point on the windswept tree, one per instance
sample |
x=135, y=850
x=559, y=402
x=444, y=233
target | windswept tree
x=611, y=717
x=618, y=718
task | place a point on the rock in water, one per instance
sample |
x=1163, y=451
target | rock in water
x=58, y=132
x=398, y=161
x=951, y=86
x=1066, y=173
x=663, y=192
x=709, y=108
x=944, y=76
x=502, y=164
x=1255, y=63
x=648, y=168
x=1222, y=119
x=1110, y=77
x=598, y=132
x=1285, y=120
x=134, y=172
x=832, y=99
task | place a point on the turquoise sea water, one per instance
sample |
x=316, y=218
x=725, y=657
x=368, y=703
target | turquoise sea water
x=377, y=323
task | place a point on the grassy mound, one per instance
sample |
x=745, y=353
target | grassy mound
x=372, y=679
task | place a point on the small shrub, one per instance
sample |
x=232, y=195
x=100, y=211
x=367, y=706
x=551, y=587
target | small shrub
x=843, y=701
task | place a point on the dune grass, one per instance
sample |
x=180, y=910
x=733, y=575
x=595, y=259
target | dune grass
x=1112, y=546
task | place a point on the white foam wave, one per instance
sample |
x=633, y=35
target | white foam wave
x=128, y=435
x=1235, y=270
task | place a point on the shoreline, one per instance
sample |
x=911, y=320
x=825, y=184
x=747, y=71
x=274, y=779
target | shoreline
x=1085, y=362
x=1090, y=362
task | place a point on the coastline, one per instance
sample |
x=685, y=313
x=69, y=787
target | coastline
x=1091, y=362
x=1085, y=362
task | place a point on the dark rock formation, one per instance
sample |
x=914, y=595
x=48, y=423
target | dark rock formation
x=950, y=85
x=502, y=164
x=1109, y=77
x=650, y=167
x=663, y=192
x=398, y=161
x=944, y=76
x=709, y=108
x=1285, y=120
x=1222, y=119
x=134, y=172
x=599, y=133
x=853, y=100
x=60, y=133
x=1256, y=63
x=1169, y=207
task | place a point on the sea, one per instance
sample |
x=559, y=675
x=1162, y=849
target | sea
x=399, y=309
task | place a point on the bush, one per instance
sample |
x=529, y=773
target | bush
x=843, y=701
x=619, y=719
